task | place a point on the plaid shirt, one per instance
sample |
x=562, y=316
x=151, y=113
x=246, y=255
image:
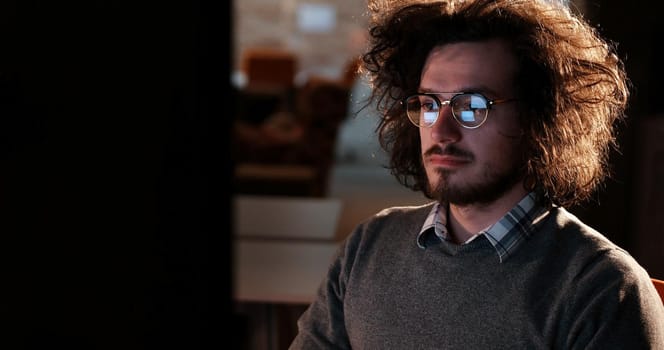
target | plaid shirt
x=506, y=235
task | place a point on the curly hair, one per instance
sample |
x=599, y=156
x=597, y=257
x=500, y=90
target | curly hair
x=571, y=81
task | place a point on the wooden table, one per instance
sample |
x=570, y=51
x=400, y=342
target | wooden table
x=283, y=247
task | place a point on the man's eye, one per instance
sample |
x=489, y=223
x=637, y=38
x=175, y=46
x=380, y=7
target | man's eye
x=428, y=106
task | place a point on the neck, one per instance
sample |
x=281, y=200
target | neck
x=465, y=221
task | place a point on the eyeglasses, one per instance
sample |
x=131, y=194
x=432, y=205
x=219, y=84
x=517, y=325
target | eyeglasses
x=470, y=110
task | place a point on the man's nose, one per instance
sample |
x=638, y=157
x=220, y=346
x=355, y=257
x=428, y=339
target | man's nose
x=445, y=129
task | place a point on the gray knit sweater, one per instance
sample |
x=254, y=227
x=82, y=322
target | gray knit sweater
x=567, y=287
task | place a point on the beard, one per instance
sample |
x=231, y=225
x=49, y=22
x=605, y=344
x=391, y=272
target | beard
x=491, y=186
x=486, y=187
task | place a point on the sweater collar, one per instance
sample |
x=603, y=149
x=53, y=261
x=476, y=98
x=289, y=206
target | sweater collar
x=506, y=235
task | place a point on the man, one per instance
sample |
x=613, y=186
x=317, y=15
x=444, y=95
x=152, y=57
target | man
x=502, y=112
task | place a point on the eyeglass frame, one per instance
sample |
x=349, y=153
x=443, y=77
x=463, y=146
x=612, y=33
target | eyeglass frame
x=490, y=103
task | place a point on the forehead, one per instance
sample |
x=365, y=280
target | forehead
x=483, y=66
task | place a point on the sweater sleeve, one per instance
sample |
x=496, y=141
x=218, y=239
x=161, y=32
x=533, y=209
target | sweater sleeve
x=614, y=306
x=322, y=325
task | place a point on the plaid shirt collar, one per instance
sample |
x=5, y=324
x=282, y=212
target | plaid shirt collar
x=506, y=235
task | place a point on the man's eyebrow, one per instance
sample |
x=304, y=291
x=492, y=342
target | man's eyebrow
x=468, y=88
x=435, y=91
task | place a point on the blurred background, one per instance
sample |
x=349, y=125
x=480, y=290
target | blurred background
x=167, y=165
x=301, y=132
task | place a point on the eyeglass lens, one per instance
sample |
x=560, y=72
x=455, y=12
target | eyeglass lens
x=470, y=110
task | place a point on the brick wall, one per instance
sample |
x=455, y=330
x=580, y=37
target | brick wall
x=273, y=23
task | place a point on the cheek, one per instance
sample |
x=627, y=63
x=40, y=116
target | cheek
x=510, y=126
x=512, y=131
x=497, y=148
x=507, y=152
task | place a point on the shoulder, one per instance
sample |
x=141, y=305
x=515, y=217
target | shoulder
x=574, y=234
x=596, y=279
x=403, y=213
x=390, y=226
x=404, y=218
x=591, y=256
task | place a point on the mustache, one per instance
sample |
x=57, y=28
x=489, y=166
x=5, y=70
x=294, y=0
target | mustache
x=449, y=150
